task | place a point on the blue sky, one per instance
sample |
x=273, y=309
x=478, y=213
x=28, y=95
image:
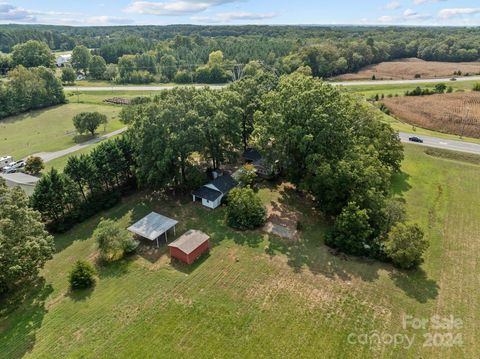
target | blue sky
x=128, y=12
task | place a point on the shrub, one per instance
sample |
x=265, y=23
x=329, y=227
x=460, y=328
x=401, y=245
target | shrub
x=34, y=165
x=440, y=88
x=418, y=76
x=82, y=275
x=113, y=240
x=183, y=77
x=351, y=231
x=405, y=245
x=245, y=209
x=476, y=87
x=248, y=175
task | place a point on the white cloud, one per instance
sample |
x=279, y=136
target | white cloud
x=173, y=7
x=409, y=16
x=394, y=5
x=15, y=14
x=449, y=13
x=420, y=2
x=107, y=20
x=232, y=16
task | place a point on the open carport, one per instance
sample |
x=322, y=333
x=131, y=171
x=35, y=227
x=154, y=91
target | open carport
x=153, y=227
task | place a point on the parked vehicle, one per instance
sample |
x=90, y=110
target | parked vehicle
x=14, y=166
x=415, y=139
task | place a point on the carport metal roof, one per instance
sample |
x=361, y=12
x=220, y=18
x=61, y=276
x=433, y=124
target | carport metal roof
x=153, y=226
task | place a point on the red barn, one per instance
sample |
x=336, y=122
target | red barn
x=190, y=246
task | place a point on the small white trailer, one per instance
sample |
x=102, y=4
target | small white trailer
x=5, y=161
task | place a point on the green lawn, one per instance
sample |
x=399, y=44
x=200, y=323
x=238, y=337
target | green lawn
x=372, y=90
x=49, y=129
x=97, y=97
x=61, y=162
x=259, y=296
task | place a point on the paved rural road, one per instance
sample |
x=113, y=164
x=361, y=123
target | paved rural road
x=405, y=82
x=443, y=143
x=134, y=88
x=217, y=87
x=50, y=156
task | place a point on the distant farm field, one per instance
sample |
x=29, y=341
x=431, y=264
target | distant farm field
x=406, y=69
x=456, y=113
x=49, y=129
x=258, y=296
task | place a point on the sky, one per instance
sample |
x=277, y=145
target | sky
x=234, y=12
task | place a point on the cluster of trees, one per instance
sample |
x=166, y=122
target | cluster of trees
x=25, y=245
x=163, y=66
x=89, y=183
x=437, y=90
x=339, y=152
x=328, y=145
x=169, y=131
x=180, y=53
x=28, y=89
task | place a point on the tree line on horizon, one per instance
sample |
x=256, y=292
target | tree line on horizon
x=182, y=53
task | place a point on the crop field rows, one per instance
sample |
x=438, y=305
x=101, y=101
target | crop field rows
x=407, y=69
x=456, y=113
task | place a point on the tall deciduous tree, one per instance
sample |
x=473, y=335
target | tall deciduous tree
x=25, y=245
x=89, y=122
x=81, y=57
x=97, y=67
x=33, y=54
x=68, y=75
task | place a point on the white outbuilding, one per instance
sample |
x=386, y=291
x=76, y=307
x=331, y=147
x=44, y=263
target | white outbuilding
x=212, y=193
x=62, y=60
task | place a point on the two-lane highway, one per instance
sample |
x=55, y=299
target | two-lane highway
x=442, y=143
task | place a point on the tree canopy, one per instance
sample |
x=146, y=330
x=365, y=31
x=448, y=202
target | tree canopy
x=88, y=122
x=33, y=54
x=25, y=245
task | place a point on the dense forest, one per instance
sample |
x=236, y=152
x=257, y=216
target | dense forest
x=178, y=52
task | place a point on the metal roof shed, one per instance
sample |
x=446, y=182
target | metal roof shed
x=190, y=246
x=153, y=226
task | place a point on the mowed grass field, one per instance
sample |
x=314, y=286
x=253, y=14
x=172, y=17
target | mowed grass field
x=407, y=69
x=399, y=89
x=455, y=113
x=49, y=129
x=257, y=296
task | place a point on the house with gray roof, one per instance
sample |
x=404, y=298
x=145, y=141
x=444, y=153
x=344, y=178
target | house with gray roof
x=213, y=192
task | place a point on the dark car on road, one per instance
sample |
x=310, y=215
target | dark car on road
x=415, y=139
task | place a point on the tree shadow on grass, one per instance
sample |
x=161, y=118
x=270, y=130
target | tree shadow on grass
x=80, y=295
x=400, y=184
x=247, y=238
x=319, y=260
x=21, y=315
x=415, y=284
x=114, y=269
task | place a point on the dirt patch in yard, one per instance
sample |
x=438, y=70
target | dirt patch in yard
x=456, y=113
x=407, y=69
x=282, y=221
